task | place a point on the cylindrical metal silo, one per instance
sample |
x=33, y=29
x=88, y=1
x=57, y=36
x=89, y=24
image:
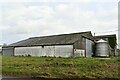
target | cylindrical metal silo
x=102, y=48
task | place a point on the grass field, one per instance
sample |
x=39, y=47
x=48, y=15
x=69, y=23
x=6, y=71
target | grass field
x=44, y=67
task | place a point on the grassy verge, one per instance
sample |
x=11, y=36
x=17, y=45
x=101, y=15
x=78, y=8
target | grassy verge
x=60, y=67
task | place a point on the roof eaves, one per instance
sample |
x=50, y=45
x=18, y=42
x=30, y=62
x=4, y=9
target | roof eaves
x=112, y=35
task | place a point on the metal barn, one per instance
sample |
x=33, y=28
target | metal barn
x=64, y=45
x=112, y=42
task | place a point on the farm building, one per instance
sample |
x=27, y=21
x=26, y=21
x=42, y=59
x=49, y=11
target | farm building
x=111, y=39
x=64, y=45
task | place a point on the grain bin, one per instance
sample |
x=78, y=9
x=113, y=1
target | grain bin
x=102, y=48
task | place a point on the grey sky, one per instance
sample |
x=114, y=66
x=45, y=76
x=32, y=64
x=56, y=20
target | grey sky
x=22, y=19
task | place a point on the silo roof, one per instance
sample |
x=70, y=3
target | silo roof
x=101, y=40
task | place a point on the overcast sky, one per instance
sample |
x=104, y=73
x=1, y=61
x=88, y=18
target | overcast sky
x=20, y=19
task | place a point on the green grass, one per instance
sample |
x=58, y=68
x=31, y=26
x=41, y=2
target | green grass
x=60, y=67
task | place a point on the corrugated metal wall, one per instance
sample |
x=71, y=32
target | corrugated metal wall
x=8, y=51
x=64, y=51
x=57, y=51
x=83, y=46
x=79, y=53
x=102, y=49
x=34, y=51
x=80, y=44
x=88, y=48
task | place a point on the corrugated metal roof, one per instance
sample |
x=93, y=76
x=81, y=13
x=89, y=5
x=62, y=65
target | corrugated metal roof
x=112, y=40
x=106, y=36
x=53, y=40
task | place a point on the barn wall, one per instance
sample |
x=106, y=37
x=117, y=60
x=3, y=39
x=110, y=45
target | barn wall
x=88, y=48
x=79, y=47
x=80, y=44
x=64, y=51
x=8, y=51
x=53, y=51
x=79, y=53
x=34, y=51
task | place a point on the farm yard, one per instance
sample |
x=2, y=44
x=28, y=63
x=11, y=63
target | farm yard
x=74, y=55
x=50, y=67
